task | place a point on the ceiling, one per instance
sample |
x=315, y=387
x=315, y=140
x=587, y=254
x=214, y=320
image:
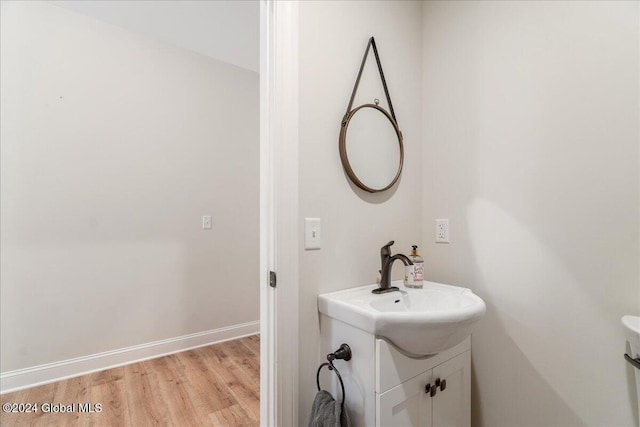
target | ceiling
x=228, y=31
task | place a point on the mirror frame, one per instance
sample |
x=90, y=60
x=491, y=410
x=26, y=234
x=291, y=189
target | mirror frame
x=345, y=158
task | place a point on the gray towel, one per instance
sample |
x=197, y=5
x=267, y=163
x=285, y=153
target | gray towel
x=326, y=412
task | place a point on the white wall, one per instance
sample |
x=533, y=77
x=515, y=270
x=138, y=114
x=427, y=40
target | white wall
x=332, y=39
x=530, y=127
x=113, y=147
x=227, y=30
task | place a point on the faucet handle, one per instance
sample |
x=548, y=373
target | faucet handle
x=385, y=253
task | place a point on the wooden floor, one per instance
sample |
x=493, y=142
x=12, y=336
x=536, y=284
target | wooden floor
x=218, y=385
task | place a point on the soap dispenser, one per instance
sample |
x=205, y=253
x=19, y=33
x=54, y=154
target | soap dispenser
x=414, y=276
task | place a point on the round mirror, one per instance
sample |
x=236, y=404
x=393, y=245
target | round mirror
x=371, y=148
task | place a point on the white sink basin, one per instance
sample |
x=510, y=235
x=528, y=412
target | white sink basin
x=418, y=321
x=631, y=326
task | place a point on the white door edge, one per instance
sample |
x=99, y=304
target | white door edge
x=279, y=212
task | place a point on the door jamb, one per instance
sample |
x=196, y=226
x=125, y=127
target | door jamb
x=279, y=212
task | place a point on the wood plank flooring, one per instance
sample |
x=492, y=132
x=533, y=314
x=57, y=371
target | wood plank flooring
x=218, y=385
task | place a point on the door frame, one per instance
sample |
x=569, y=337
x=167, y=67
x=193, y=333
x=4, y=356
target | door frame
x=279, y=232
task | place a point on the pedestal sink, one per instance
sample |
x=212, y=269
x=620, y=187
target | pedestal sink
x=418, y=321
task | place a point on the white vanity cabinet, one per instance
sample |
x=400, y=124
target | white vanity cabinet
x=385, y=388
x=437, y=397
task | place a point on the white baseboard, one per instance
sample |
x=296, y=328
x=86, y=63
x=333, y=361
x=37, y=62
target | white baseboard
x=51, y=372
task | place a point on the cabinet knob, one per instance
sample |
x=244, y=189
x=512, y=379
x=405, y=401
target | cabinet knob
x=433, y=389
x=430, y=389
x=439, y=383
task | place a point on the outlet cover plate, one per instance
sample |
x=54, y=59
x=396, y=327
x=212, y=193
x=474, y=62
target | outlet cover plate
x=442, y=231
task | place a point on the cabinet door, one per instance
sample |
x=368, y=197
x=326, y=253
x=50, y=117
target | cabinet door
x=406, y=405
x=452, y=406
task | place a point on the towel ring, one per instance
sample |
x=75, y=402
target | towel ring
x=331, y=368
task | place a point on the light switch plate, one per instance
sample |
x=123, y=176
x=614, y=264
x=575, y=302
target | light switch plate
x=311, y=233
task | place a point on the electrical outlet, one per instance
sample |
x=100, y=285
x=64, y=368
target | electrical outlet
x=442, y=231
x=206, y=222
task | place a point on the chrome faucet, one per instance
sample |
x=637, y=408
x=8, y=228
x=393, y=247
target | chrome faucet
x=385, y=273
